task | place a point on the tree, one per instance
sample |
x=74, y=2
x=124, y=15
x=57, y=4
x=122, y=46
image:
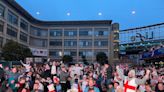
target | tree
x=84, y=60
x=13, y=51
x=101, y=57
x=67, y=58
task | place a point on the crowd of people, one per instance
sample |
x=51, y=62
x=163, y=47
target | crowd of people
x=59, y=77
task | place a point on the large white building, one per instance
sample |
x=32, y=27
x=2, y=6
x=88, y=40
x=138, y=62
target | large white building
x=55, y=38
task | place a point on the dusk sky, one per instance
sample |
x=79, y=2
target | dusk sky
x=128, y=13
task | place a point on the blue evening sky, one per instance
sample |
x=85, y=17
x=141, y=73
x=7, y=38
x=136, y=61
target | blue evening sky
x=128, y=13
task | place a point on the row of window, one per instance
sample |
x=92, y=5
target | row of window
x=13, y=32
x=13, y=18
x=88, y=53
x=82, y=32
x=82, y=43
x=2, y=11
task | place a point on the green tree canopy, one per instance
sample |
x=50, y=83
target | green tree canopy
x=67, y=58
x=101, y=57
x=13, y=51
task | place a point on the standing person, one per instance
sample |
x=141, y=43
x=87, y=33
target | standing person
x=130, y=81
x=126, y=70
x=118, y=79
x=110, y=88
x=77, y=69
x=109, y=71
x=160, y=87
x=12, y=78
x=84, y=82
x=53, y=69
x=91, y=87
x=63, y=78
x=117, y=87
x=27, y=66
x=47, y=71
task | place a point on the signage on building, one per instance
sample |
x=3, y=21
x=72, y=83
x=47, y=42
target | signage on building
x=142, y=37
x=39, y=52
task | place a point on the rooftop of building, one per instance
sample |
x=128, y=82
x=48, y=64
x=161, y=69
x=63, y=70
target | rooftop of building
x=30, y=18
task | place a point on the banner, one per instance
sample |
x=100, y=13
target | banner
x=39, y=52
x=157, y=52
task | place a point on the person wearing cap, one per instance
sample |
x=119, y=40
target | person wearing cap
x=130, y=81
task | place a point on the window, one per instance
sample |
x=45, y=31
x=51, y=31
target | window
x=24, y=25
x=1, y=42
x=70, y=32
x=1, y=26
x=116, y=36
x=38, y=42
x=101, y=32
x=86, y=53
x=69, y=52
x=54, y=53
x=85, y=32
x=101, y=43
x=23, y=37
x=55, y=32
x=85, y=43
x=2, y=11
x=39, y=32
x=55, y=43
x=11, y=31
x=70, y=43
x=12, y=18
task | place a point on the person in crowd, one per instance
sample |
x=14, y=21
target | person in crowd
x=110, y=88
x=60, y=77
x=27, y=65
x=63, y=78
x=117, y=88
x=160, y=87
x=91, y=87
x=130, y=81
x=109, y=72
x=147, y=88
x=57, y=84
x=53, y=69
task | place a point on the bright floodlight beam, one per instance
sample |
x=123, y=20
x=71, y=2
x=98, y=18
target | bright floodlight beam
x=99, y=13
x=133, y=12
x=38, y=13
x=68, y=14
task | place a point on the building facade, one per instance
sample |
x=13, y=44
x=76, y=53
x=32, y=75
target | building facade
x=53, y=39
x=135, y=42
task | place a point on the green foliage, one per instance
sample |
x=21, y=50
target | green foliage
x=13, y=51
x=83, y=58
x=67, y=58
x=101, y=57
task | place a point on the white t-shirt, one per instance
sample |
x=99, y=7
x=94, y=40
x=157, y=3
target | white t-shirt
x=28, y=67
x=53, y=69
x=77, y=70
